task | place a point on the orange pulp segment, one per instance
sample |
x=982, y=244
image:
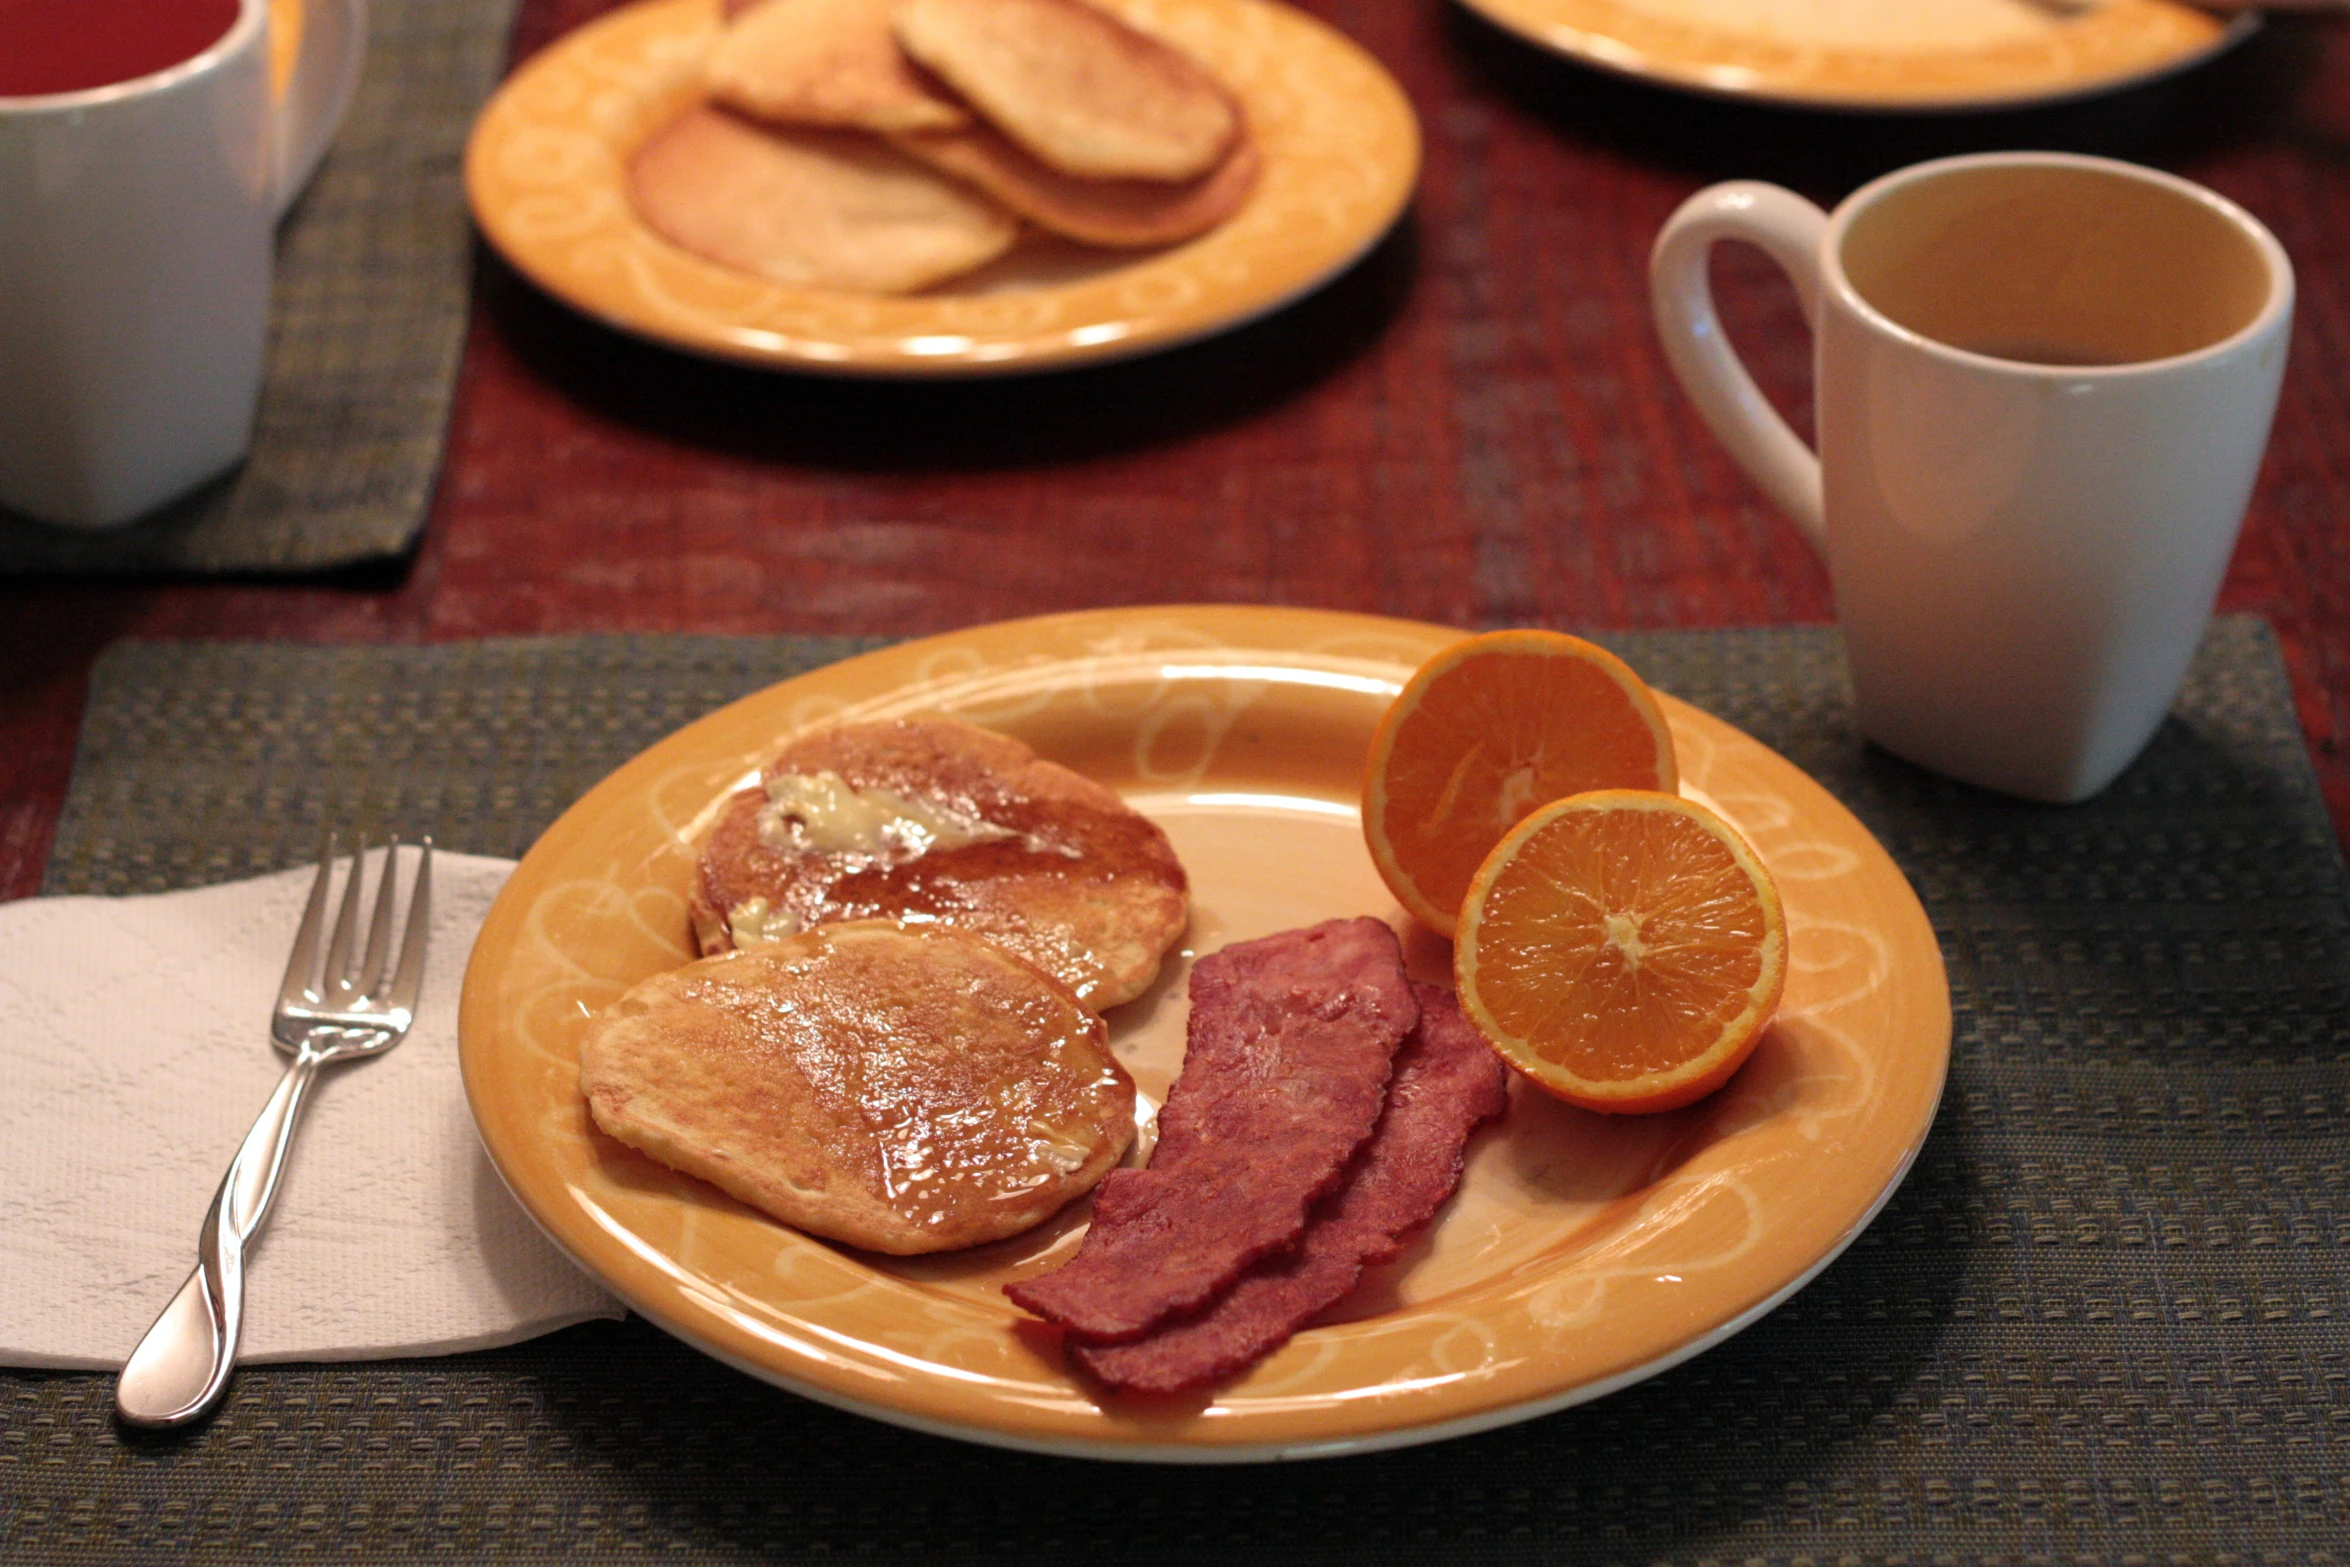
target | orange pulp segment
x=1483, y=733
x=1623, y=949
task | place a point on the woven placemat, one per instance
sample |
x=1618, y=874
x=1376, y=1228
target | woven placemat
x=2101, y=1322
x=367, y=321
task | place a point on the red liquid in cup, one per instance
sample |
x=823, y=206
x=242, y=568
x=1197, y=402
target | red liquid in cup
x=51, y=46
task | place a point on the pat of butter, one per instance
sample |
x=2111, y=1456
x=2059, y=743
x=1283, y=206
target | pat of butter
x=1057, y=1146
x=754, y=923
x=824, y=813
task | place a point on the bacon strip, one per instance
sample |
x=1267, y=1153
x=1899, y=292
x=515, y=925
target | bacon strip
x=1284, y=1074
x=1447, y=1082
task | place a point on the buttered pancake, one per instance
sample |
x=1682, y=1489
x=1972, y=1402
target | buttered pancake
x=1080, y=89
x=900, y=1090
x=929, y=820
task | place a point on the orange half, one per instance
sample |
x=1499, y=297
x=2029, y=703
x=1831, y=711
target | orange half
x=1483, y=733
x=1623, y=949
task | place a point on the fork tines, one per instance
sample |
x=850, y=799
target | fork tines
x=352, y=976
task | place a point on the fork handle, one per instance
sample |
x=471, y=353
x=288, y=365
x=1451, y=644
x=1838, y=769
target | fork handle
x=182, y=1365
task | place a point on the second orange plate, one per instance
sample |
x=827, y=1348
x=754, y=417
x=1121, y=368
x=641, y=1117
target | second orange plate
x=1582, y=1253
x=546, y=173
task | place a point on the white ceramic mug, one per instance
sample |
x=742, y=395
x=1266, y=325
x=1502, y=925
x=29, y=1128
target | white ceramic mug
x=137, y=223
x=2043, y=384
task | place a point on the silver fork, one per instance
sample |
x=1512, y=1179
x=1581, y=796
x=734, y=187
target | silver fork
x=337, y=1010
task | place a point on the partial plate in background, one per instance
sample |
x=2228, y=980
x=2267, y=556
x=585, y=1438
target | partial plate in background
x=1877, y=54
x=546, y=174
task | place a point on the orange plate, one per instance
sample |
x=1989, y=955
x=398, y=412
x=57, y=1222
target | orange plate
x=1583, y=1253
x=545, y=173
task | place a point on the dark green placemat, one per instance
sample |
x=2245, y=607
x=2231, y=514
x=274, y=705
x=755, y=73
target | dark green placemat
x=2102, y=1322
x=367, y=321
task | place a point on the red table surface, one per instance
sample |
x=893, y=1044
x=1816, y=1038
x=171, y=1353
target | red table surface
x=1475, y=424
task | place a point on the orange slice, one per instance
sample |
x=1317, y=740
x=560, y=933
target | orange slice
x=1625, y=950
x=1483, y=733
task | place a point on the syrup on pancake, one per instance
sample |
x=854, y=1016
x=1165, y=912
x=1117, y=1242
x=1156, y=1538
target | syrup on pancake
x=935, y=822
x=902, y=1090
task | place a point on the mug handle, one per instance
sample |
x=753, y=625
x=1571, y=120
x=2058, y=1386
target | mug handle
x=1789, y=230
x=326, y=72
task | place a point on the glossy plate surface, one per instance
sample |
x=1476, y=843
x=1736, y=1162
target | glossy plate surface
x=545, y=173
x=1868, y=54
x=1582, y=1252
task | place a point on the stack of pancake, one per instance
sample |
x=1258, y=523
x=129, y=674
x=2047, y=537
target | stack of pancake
x=889, y=145
x=893, y=1038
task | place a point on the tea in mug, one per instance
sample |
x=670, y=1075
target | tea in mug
x=2063, y=264
x=53, y=46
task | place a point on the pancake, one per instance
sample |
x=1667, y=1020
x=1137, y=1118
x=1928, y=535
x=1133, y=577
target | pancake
x=900, y=1090
x=1081, y=90
x=930, y=820
x=825, y=62
x=1118, y=213
x=823, y=209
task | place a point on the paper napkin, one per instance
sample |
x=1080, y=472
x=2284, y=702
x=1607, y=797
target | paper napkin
x=134, y=1056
